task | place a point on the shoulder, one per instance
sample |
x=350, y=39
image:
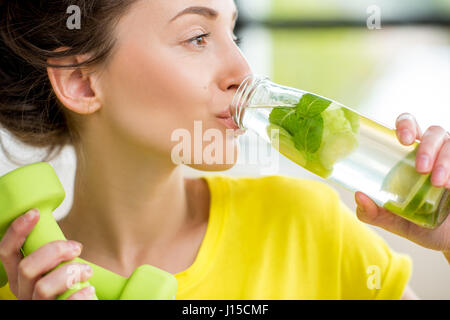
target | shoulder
x=279, y=194
x=278, y=184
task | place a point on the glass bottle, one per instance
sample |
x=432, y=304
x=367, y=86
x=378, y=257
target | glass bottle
x=342, y=146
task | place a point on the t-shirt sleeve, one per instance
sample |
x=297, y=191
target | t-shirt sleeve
x=6, y=294
x=370, y=269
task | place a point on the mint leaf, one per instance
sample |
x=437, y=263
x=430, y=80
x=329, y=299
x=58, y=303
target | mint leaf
x=311, y=105
x=321, y=136
x=285, y=117
x=304, y=122
x=278, y=114
x=309, y=136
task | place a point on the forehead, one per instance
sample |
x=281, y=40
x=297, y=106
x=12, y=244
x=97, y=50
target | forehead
x=151, y=18
x=166, y=10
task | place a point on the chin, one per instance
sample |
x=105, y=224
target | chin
x=223, y=166
x=211, y=167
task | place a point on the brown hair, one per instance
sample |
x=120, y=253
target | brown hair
x=30, y=32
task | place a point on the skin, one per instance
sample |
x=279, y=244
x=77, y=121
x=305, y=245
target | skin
x=132, y=205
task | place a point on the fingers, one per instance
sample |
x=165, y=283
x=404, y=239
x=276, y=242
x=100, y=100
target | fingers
x=432, y=141
x=43, y=260
x=440, y=176
x=33, y=277
x=433, y=153
x=83, y=294
x=12, y=241
x=407, y=129
x=60, y=280
x=370, y=213
x=366, y=206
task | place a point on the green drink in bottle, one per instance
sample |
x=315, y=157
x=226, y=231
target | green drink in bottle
x=341, y=145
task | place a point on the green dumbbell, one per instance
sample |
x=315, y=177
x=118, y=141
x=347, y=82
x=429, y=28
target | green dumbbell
x=37, y=186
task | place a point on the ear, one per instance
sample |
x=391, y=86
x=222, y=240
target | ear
x=77, y=89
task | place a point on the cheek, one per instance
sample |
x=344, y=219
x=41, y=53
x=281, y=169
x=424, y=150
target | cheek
x=149, y=95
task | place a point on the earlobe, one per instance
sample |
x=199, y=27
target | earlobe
x=74, y=86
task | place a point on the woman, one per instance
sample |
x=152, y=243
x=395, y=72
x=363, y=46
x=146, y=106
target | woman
x=136, y=71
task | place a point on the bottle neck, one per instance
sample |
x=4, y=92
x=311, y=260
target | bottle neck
x=242, y=98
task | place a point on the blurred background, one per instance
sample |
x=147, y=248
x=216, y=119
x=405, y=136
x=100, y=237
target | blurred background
x=335, y=48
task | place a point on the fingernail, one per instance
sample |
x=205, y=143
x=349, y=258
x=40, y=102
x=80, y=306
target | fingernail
x=31, y=214
x=404, y=116
x=406, y=136
x=423, y=161
x=439, y=175
x=90, y=291
x=358, y=199
x=76, y=246
x=87, y=269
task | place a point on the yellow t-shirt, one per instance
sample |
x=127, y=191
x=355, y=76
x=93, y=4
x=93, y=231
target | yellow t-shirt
x=279, y=237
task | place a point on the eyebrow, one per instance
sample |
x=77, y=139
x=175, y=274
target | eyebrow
x=203, y=11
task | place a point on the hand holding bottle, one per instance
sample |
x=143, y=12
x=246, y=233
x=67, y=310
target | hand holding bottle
x=433, y=155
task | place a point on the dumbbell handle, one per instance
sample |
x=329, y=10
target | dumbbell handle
x=47, y=230
x=148, y=283
x=37, y=186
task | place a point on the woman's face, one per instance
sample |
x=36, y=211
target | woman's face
x=165, y=77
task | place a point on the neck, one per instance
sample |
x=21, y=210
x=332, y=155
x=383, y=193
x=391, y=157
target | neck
x=126, y=203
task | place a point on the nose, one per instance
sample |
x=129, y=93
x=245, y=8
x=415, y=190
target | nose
x=235, y=68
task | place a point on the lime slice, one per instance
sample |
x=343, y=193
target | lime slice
x=401, y=177
x=430, y=206
x=417, y=198
x=414, y=200
x=399, y=181
x=426, y=208
x=393, y=207
x=425, y=220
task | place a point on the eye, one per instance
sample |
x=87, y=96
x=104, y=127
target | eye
x=196, y=39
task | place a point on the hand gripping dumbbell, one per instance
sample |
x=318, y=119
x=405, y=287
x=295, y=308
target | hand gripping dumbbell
x=37, y=186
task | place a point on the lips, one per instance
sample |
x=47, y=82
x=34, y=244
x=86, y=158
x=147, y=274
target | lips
x=224, y=114
x=229, y=123
x=225, y=118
